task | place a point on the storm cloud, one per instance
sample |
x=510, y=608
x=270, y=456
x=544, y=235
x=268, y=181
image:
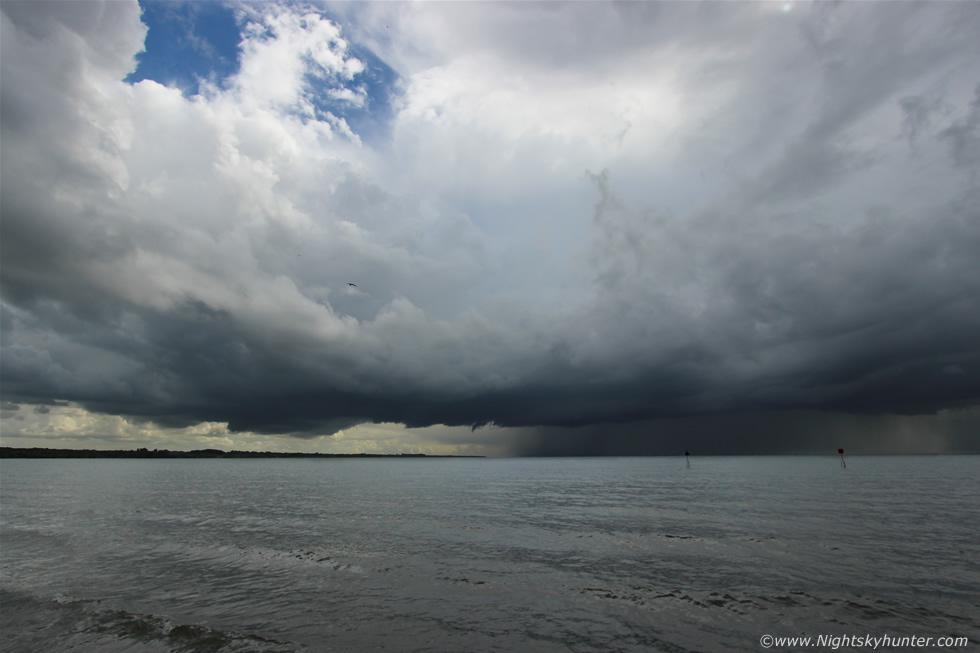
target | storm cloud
x=558, y=215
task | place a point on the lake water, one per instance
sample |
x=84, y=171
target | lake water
x=468, y=555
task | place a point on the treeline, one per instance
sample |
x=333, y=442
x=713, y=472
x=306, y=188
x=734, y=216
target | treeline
x=40, y=452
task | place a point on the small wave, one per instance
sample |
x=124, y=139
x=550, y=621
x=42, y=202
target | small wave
x=65, y=623
x=837, y=610
x=305, y=556
x=181, y=637
x=61, y=598
x=254, y=556
x=462, y=580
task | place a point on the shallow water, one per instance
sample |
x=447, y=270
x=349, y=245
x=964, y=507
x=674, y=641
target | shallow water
x=600, y=554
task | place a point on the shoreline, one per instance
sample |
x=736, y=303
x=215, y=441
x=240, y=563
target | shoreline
x=41, y=452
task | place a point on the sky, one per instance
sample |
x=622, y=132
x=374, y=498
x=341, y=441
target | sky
x=492, y=228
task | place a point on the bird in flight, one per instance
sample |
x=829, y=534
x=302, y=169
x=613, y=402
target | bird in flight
x=352, y=284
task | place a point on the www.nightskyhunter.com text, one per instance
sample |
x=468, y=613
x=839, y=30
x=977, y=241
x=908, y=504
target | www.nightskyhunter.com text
x=872, y=642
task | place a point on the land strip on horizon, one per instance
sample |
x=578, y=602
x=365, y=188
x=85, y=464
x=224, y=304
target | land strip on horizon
x=41, y=452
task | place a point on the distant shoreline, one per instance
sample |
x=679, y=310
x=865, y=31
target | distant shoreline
x=40, y=452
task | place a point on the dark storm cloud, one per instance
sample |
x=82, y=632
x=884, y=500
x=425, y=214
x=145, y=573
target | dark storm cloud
x=773, y=432
x=182, y=261
x=963, y=137
x=9, y=409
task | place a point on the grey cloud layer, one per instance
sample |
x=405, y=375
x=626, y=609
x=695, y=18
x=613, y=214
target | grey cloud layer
x=800, y=231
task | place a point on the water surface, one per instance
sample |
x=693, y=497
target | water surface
x=600, y=554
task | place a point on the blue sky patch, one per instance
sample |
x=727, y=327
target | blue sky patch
x=187, y=42
x=378, y=81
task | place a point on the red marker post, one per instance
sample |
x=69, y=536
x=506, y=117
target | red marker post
x=842, y=463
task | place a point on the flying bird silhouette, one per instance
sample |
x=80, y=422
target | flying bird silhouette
x=352, y=284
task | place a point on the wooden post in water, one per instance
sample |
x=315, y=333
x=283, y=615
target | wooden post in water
x=687, y=457
x=842, y=463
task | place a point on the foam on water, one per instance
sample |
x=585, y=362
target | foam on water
x=484, y=555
